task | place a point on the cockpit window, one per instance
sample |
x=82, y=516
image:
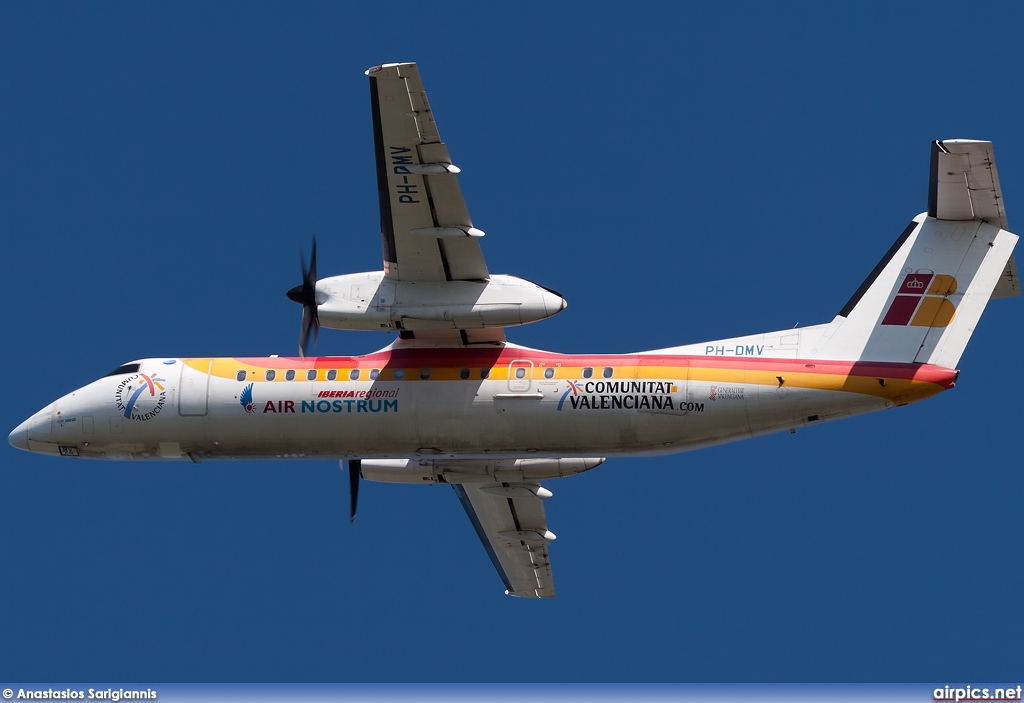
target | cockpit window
x=121, y=370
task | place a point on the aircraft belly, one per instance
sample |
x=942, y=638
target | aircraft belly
x=719, y=413
x=779, y=408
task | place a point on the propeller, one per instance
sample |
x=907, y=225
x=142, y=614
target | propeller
x=354, y=473
x=305, y=295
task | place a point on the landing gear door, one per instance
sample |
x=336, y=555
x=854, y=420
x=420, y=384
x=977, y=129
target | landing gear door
x=520, y=373
x=194, y=387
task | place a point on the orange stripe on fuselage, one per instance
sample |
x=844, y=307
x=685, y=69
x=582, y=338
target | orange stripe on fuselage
x=900, y=382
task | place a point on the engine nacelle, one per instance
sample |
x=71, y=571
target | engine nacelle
x=372, y=301
x=472, y=470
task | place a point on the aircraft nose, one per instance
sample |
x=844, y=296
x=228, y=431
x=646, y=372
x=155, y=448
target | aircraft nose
x=19, y=437
x=36, y=429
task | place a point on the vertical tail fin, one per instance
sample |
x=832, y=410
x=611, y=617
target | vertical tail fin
x=924, y=299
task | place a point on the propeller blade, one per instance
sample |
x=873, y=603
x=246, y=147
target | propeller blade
x=311, y=275
x=354, y=473
x=305, y=295
x=307, y=324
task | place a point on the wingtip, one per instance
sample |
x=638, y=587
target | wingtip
x=377, y=69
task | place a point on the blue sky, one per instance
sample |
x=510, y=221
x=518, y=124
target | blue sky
x=680, y=172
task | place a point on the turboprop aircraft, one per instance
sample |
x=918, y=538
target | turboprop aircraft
x=451, y=401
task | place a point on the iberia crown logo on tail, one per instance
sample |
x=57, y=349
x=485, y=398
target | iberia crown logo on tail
x=922, y=301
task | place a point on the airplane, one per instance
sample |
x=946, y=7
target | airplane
x=452, y=401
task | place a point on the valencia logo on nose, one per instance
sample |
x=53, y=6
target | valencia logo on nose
x=130, y=396
x=922, y=301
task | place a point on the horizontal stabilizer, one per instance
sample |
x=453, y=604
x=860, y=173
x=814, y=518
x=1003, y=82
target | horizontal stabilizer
x=964, y=185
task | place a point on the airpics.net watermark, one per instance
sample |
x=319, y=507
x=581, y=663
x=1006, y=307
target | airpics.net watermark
x=89, y=694
x=977, y=693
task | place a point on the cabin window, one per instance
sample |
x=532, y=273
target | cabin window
x=549, y=372
x=520, y=372
x=332, y=374
x=464, y=374
x=270, y=374
x=289, y=375
x=311, y=375
x=424, y=374
x=353, y=375
x=588, y=372
x=374, y=374
x=127, y=368
x=240, y=376
x=484, y=374
x=399, y=374
x=607, y=372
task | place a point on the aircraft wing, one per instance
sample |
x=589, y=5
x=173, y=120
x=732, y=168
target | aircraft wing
x=425, y=226
x=964, y=185
x=514, y=532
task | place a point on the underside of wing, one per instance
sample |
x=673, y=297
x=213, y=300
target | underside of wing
x=509, y=519
x=435, y=289
x=425, y=227
x=503, y=499
x=964, y=185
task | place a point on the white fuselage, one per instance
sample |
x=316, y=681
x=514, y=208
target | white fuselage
x=506, y=402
